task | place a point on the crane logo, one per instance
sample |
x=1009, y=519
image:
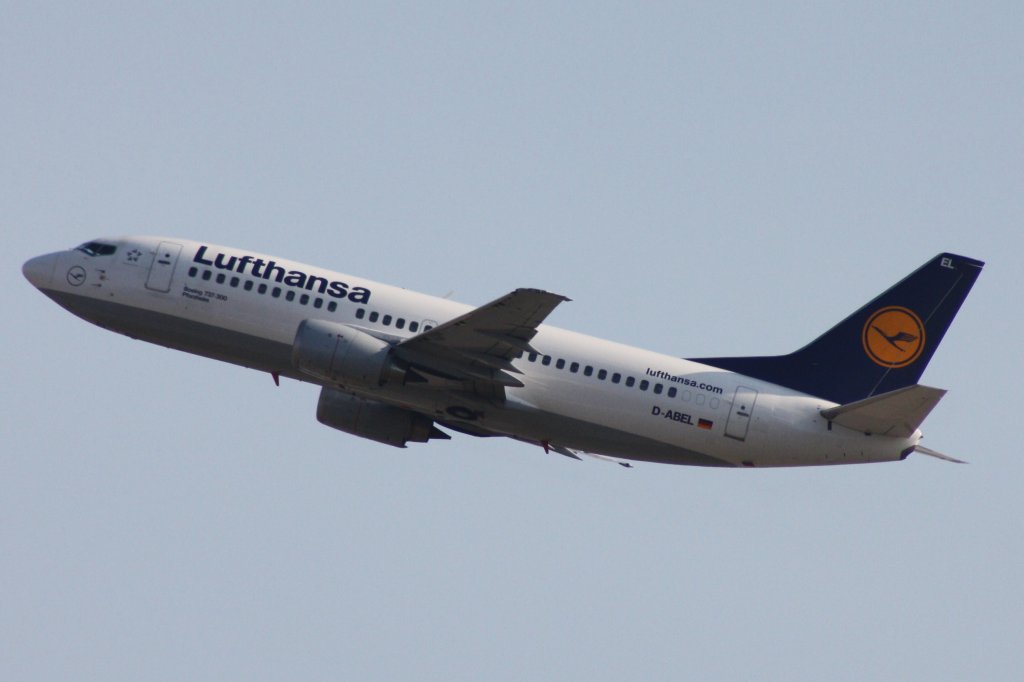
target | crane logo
x=76, y=276
x=893, y=337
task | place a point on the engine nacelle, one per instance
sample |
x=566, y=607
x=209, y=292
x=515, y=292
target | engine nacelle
x=343, y=355
x=376, y=421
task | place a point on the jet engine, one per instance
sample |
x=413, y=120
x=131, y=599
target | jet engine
x=344, y=355
x=373, y=420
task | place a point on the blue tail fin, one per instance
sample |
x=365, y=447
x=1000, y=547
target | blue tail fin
x=882, y=347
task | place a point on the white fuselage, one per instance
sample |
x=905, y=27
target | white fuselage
x=578, y=391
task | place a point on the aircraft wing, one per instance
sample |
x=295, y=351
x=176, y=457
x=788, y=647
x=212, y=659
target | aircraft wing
x=481, y=344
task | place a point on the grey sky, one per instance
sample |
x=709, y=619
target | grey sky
x=716, y=179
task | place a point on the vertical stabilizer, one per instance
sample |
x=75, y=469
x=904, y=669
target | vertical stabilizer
x=882, y=347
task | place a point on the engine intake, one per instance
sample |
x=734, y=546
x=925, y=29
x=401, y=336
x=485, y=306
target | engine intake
x=373, y=420
x=344, y=355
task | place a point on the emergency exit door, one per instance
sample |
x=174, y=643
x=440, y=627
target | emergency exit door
x=162, y=269
x=739, y=416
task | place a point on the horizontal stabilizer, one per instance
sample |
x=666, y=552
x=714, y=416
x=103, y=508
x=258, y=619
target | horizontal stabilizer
x=937, y=455
x=898, y=413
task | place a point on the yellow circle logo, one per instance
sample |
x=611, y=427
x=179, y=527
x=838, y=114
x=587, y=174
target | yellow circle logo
x=893, y=337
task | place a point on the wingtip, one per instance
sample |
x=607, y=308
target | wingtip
x=542, y=292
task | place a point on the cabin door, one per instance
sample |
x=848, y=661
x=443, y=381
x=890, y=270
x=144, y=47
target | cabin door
x=739, y=416
x=162, y=269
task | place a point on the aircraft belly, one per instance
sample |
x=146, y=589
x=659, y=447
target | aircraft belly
x=182, y=334
x=602, y=439
x=662, y=424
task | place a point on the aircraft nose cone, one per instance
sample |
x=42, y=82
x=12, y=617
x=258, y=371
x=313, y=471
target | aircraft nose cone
x=39, y=270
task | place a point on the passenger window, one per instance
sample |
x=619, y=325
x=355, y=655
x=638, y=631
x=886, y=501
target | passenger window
x=289, y=295
x=360, y=314
x=602, y=374
x=234, y=281
x=304, y=299
x=671, y=391
x=332, y=306
x=276, y=292
x=546, y=361
x=630, y=381
x=574, y=367
x=374, y=316
x=262, y=288
x=533, y=357
x=318, y=303
x=192, y=271
x=221, y=277
x=413, y=326
x=616, y=378
x=658, y=388
x=400, y=323
x=644, y=384
x=588, y=370
x=386, y=321
x=560, y=364
x=207, y=275
x=427, y=328
x=248, y=285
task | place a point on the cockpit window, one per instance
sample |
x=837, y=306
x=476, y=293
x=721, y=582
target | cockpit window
x=97, y=249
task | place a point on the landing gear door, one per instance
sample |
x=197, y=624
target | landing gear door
x=162, y=269
x=739, y=416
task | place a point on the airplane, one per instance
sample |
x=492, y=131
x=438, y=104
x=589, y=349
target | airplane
x=399, y=367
